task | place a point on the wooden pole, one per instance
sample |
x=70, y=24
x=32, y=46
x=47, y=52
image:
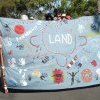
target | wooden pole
x=4, y=86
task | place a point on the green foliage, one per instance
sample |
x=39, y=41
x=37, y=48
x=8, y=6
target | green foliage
x=78, y=7
x=5, y=7
x=74, y=8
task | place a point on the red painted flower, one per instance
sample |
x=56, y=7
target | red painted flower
x=19, y=29
x=58, y=76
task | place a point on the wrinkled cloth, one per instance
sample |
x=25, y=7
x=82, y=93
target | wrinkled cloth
x=50, y=55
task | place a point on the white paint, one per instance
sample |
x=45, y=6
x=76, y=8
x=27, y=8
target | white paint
x=62, y=38
x=57, y=38
x=9, y=42
x=12, y=62
x=29, y=32
x=98, y=55
x=23, y=76
x=98, y=72
x=73, y=61
x=22, y=61
x=69, y=65
x=39, y=23
x=20, y=71
x=23, y=83
x=25, y=34
x=81, y=28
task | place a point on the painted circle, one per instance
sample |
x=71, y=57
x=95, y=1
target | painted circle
x=19, y=29
x=86, y=75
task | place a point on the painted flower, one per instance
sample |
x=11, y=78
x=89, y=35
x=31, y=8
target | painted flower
x=87, y=75
x=22, y=62
x=23, y=83
x=58, y=76
x=12, y=62
x=36, y=73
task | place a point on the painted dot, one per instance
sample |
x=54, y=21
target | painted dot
x=19, y=29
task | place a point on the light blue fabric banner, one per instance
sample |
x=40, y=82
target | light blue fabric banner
x=50, y=55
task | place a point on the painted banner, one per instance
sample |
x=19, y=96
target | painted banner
x=51, y=55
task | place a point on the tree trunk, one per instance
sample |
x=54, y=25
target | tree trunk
x=98, y=5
